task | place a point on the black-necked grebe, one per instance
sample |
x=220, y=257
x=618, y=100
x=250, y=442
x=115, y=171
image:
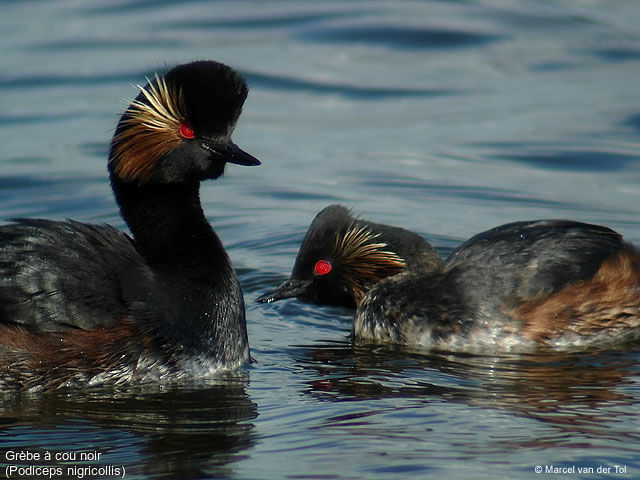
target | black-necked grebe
x=550, y=282
x=84, y=303
x=553, y=283
x=342, y=257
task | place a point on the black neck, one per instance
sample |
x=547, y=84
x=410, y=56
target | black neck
x=198, y=288
x=169, y=226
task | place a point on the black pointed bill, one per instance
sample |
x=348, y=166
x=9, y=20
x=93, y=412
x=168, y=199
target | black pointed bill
x=229, y=152
x=289, y=289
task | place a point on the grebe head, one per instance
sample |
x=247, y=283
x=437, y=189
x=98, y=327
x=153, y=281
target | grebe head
x=340, y=258
x=168, y=134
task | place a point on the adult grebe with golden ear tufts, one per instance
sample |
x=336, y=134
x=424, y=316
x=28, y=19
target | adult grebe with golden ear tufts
x=83, y=303
x=549, y=283
x=342, y=257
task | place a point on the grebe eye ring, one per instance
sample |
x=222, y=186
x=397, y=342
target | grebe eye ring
x=187, y=131
x=322, y=267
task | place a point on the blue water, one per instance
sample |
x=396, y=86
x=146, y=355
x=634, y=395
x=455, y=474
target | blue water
x=443, y=117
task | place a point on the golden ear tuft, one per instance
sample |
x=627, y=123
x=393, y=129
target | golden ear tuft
x=365, y=261
x=149, y=130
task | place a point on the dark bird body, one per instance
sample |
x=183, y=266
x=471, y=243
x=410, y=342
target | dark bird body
x=554, y=283
x=82, y=303
x=342, y=257
x=550, y=282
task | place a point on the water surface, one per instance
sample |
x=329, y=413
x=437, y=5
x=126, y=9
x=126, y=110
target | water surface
x=444, y=117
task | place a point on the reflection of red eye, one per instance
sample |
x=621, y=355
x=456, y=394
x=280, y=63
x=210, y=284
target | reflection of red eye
x=186, y=131
x=322, y=267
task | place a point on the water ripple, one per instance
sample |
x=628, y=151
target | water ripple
x=567, y=158
x=617, y=54
x=633, y=121
x=406, y=187
x=361, y=92
x=401, y=36
x=72, y=80
x=137, y=6
x=92, y=44
x=537, y=19
x=267, y=21
x=6, y=119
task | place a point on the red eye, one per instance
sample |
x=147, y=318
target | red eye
x=322, y=267
x=186, y=131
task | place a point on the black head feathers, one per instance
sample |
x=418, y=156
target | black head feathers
x=342, y=257
x=178, y=129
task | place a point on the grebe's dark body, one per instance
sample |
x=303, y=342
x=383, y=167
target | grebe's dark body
x=551, y=282
x=83, y=303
